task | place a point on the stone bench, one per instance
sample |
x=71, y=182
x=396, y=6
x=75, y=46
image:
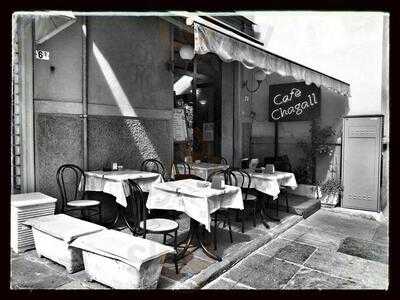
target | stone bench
x=122, y=261
x=54, y=234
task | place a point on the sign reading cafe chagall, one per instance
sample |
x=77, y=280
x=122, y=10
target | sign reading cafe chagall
x=294, y=102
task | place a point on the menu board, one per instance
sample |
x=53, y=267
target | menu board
x=294, y=102
x=179, y=125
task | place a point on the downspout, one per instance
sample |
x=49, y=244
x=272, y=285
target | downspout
x=84, y=92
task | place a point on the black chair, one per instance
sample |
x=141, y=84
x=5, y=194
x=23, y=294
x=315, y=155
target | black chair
x=186, y=174
x=244, y=181
x=71, y=182
x=142, y=225
x=153, y=165
x=230, y=179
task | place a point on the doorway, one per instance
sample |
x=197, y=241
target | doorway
x=197, y=100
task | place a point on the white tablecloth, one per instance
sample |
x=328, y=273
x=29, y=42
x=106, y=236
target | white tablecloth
x=114, y=182
x=190, y=197
x=202, y=170
x=269, y=183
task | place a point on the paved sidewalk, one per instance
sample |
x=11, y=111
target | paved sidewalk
x=28, y=271
x=329, y=250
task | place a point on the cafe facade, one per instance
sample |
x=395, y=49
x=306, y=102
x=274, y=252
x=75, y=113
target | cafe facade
x=94, y=89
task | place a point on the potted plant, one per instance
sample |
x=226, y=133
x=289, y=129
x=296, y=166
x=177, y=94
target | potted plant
x=318, y=147
x=331, y=189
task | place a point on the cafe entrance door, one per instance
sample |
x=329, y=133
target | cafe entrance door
x=197, y=105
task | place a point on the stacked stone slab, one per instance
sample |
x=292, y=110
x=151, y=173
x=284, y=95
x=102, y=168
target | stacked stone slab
x=24, y=207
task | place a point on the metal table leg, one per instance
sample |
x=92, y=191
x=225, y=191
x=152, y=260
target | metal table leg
x=195, y=232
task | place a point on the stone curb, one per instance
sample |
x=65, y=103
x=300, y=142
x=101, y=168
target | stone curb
x=215, y=270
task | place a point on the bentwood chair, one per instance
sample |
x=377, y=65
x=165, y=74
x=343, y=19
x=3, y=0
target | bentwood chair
x=142, y=225
x=230, y=179
x=153, y=165
x=244, y=181
x=186, y=174
x=71, y=182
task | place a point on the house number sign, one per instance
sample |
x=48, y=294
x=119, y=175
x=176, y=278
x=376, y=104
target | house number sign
x=41, y=54
x=295, y=101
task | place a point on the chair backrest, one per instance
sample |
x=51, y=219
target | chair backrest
x=229, y=176
x=69, y=177
x=243, y=180
x=217, y=160
x=186, y=168
x=137, y=206
x=153, y=165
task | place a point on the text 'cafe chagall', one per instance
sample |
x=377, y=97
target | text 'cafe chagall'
x=115, y=88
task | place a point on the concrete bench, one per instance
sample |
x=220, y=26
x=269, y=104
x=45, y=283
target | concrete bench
x=122, y=261
x=54, y=234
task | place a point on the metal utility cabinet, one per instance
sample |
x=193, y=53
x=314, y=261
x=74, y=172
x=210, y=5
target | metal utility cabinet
x=361, y=162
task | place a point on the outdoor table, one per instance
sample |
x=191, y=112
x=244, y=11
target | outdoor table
x=202, y=169
x=269, y=184
x=115, y=183
x=198, y=200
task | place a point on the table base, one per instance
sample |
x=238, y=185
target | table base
x=194, y=234
x=264, y=209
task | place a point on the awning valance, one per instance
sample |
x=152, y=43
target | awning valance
x=230, y=49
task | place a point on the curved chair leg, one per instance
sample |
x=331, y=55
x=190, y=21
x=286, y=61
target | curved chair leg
x=176, y=254
x=229, y=226
x=277, y=207
x=215, y=230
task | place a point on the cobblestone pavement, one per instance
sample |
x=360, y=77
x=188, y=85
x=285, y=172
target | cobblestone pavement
x=28, y=271
x=328, y=250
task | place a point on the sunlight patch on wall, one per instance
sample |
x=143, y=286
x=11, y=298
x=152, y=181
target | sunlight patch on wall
x=136, y=128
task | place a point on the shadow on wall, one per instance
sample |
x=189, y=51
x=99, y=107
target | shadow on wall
x=124, y=139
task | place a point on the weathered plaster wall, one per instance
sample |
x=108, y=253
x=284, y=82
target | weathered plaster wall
x=65, y=82
x=58, y=141
x=127, y=69
x=127, y=141
x=136, y=50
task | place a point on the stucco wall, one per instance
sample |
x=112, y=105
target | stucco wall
x=136, y=50
x=65, y=82
x=127, y=141
x=58, y=141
